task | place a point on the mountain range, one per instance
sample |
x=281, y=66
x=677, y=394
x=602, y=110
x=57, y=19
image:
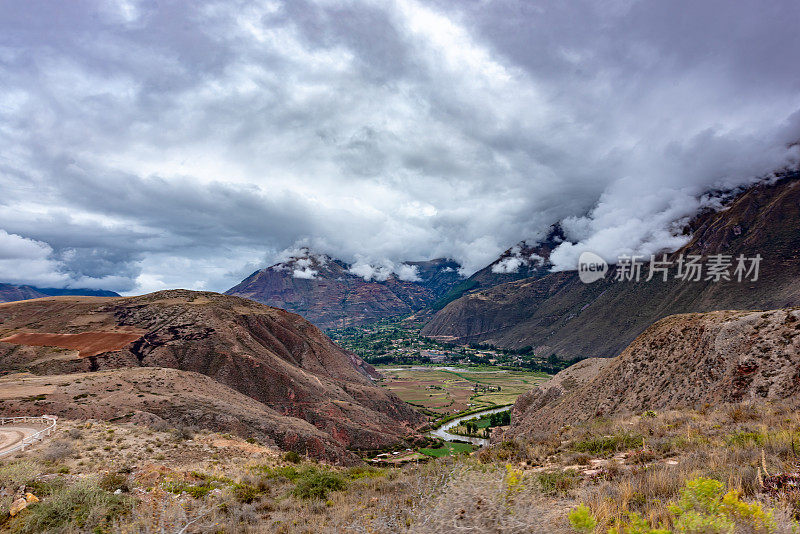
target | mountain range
x=239, y=363
x=11, y=292
x=521, y=261
x=517, y=301
x=331, y=294
x=556, y=313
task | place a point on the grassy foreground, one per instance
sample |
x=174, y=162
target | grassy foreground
x=711, y=470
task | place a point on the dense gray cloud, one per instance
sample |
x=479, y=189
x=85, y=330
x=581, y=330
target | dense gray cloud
x=185, y=144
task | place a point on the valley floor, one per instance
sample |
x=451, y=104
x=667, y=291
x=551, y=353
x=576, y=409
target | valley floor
x=442, y=391
x=725, y=469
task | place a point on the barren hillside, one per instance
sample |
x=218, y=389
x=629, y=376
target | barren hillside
x=163, y=398
x=681, y=361
x=272, y=356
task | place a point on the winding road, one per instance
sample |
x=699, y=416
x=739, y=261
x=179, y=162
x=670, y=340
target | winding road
x=17, y=431
x=11, y=436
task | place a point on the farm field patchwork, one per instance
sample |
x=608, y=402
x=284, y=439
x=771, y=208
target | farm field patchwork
x=451, y=390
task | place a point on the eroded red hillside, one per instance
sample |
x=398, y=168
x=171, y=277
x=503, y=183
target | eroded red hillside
x=270, y=355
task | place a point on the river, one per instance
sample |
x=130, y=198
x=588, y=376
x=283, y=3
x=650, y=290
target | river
x=442, y=431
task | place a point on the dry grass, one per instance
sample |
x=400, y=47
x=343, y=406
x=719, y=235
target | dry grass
x=639, y=464
x=209, y=482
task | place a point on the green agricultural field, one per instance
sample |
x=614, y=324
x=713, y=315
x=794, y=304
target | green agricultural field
x=446, y=391
x=448, y=449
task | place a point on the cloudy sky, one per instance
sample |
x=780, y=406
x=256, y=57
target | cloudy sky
x=151, y=144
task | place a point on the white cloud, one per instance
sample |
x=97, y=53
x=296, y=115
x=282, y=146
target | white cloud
x=537, y=260
x=408, y=273
x=515, y=260
x=367, y=271
x=508, y=265
x=383, y=270
x=149, y=144
x=25, y=261
x=306, y=273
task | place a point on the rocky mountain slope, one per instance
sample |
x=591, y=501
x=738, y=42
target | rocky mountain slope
x=558, y=314
x=681, y=361
x=12, y=293
x=272, y=356
x=331, y=295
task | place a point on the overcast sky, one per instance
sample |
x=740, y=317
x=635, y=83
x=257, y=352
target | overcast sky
x=153, y=144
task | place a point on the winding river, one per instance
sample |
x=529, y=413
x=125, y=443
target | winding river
x=442, y=431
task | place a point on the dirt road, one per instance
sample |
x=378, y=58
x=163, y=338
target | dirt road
x=11, y=436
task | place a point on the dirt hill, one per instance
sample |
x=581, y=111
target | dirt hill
x=267, y=354
x=558, y=314
x=327, y=293
x=681, y=361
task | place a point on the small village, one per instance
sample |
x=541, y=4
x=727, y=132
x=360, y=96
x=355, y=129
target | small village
x=399, y=343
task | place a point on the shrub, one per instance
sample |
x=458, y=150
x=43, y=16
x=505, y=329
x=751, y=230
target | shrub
x=609, y=444
x=358, y=472
x=43, y=488
x=83, y=506
x=744, y=439
x=636, y=525
x=292, y=457
x=113, y=482
x=513, y=479
x=183, y=433
x=738, y=413
x=245, y=493
x=198, y=491
x=57, y=450
x=582, y=520
x=290, y=473
x=557, y=482
x=642, y=457
x=704, y=508
x=753, y=516
x=317, y=484
x=18, y=474
x=581, y=459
